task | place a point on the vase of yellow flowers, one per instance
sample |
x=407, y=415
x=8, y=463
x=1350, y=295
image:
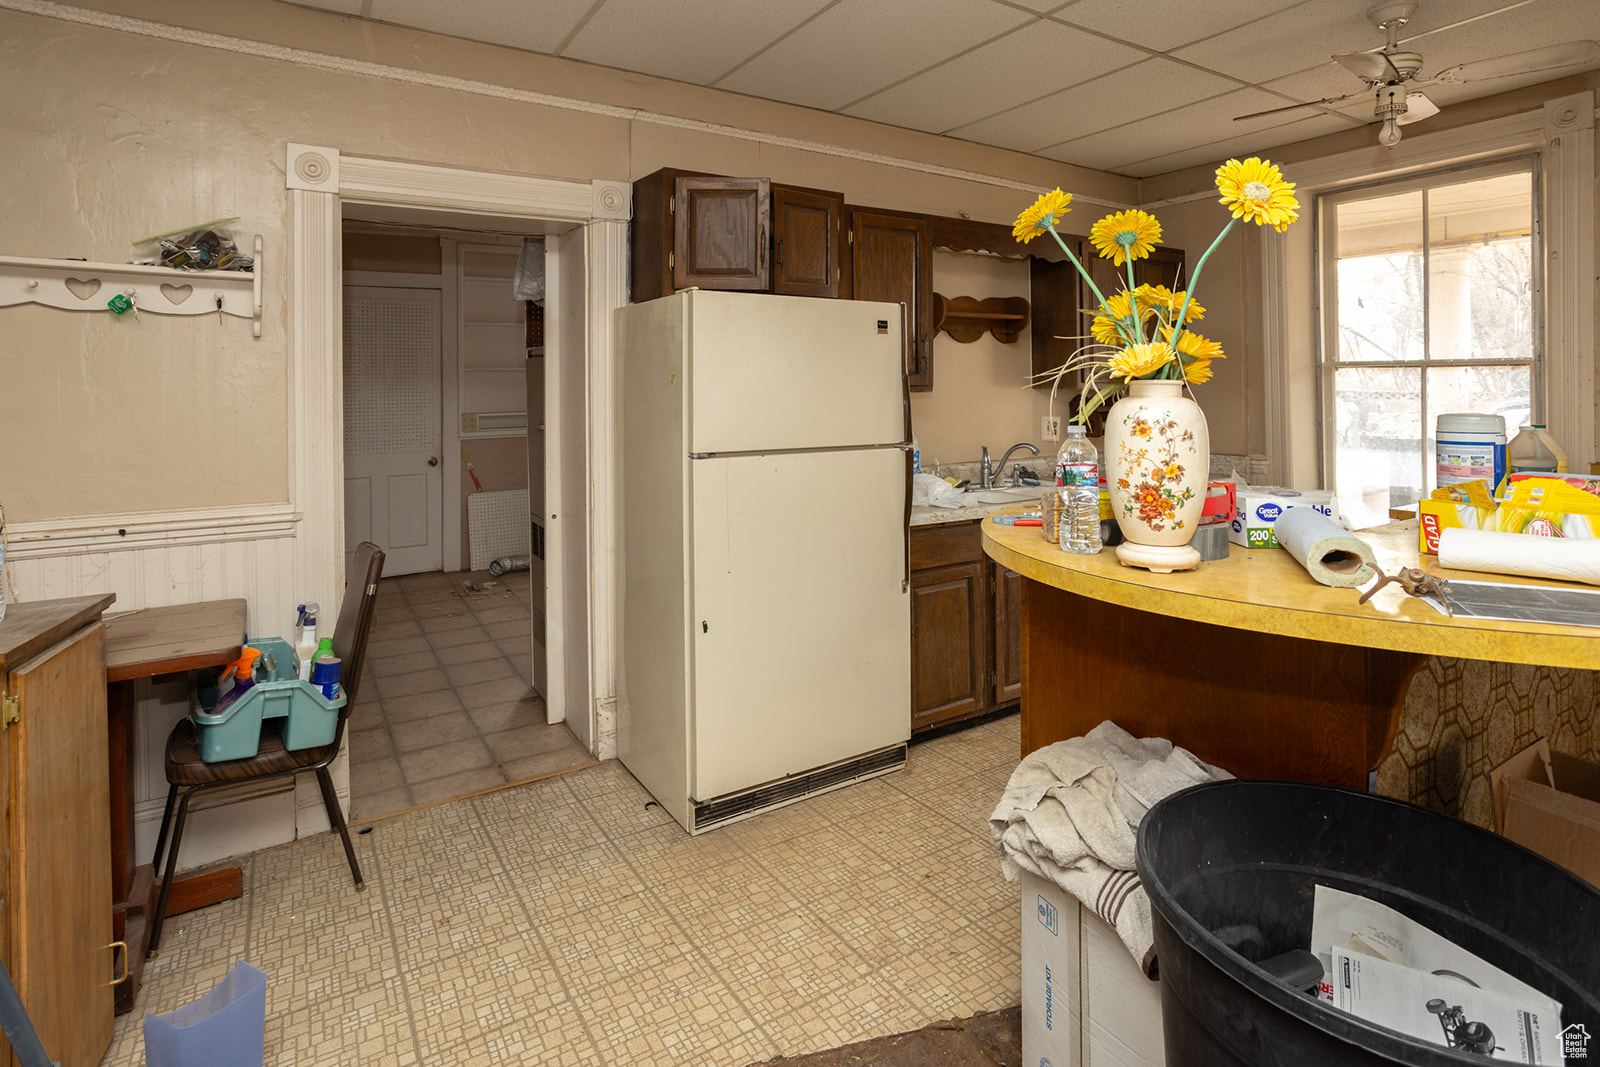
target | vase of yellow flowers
x=1143, y=349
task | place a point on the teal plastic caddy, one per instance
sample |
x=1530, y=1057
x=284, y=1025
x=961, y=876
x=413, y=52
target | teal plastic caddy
x=309, y=719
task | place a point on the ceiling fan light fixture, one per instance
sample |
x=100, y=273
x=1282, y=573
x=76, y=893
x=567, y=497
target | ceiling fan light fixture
x=1391, y=107
x=1389, y=135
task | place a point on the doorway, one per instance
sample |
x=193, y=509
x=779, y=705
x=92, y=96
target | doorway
x=444, y=468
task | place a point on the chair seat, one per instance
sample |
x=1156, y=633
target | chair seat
x=186, y=768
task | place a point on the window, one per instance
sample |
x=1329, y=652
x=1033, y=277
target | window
x=1430, y=300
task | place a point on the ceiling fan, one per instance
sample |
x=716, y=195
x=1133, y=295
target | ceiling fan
x=1393, y=75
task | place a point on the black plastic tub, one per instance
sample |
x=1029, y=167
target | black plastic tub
x=1249, y=853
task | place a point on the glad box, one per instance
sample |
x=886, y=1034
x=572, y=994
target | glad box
x=1260, y=506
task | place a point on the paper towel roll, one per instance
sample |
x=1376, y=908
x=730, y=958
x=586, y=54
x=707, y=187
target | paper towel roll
x=1323, y=547
x=1566, y=559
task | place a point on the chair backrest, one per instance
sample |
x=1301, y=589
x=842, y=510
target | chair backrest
x=356, y=612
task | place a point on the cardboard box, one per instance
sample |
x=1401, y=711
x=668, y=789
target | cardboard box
x=1549, y=802
x=1085, y=1003
x=1260, y=506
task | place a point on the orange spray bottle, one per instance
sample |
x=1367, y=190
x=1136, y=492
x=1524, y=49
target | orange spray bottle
x=243, y=673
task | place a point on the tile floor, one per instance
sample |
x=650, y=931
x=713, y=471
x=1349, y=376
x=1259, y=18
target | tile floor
x=569, y=921
x=447, y=706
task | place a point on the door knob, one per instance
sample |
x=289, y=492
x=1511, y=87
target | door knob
x=433, y=461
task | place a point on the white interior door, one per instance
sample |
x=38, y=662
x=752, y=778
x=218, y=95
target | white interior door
x=393, y=481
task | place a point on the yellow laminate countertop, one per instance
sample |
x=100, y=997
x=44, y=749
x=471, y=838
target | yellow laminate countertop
x=1267, y=591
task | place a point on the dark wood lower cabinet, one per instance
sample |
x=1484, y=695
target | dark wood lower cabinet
x=966, y=648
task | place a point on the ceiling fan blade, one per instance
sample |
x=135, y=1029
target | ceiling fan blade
x=1571, y=54
x=1369, y=66
x=1418, y=107
x=1296, y=107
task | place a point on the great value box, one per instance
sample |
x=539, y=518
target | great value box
x=1260, y=506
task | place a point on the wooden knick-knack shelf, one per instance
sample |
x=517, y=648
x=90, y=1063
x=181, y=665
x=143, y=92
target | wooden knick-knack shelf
x=965, y=318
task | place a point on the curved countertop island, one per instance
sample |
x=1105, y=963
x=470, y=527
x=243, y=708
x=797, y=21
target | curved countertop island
x=1247, y=661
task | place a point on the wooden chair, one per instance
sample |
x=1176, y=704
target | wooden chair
x=187, y=774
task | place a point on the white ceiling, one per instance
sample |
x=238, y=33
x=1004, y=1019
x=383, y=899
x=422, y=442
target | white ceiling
x=1138, y=87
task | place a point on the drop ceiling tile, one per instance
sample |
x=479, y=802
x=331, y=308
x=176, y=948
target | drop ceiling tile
x=857, y=47
x=1544, y=22
x=1251, y=144
x=514, y=23
x=1166, y=24
x=1292, y=40
x=1132, y=93
x=699, y=45
x=1207, y=122
x=343, y=7
x=1039, y=58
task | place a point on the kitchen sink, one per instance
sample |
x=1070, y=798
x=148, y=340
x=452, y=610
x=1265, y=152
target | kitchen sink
x=1006, y=494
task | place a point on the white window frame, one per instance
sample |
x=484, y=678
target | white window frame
x=1327, y=252
x=1562, y=134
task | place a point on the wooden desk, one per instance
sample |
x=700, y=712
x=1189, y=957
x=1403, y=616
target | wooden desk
x=143, y=644
x=1246, y=661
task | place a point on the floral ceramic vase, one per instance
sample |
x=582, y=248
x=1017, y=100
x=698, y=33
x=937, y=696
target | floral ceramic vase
x=1158, y=459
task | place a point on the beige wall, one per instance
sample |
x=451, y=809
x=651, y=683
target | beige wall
x=112, y=134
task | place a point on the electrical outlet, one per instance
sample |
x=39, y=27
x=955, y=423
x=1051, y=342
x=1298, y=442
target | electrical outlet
x=1050, y=428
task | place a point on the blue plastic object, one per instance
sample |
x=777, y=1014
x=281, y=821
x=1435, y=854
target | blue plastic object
x=310, y=719
x=225, y=1028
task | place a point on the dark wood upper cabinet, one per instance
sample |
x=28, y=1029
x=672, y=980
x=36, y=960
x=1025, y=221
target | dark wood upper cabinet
x=892, y=260
x=722, y=233
x=807, y=239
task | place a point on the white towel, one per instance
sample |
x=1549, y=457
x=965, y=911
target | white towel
x=1071, y=812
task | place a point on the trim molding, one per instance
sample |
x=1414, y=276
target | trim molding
x=167, y=529
x=343, y=65
x=1569, y=236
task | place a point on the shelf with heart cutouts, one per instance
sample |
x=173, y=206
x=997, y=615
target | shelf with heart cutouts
x=966, y=318
x=76, y=285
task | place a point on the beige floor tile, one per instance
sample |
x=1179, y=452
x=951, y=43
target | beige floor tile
x=457, y=785
x=547, y=763
x=493, y=718
x=531, y=741
x=378, y=805
x=370, y=777
x=511, y=628
x=456, y=637
x=412, y=683
x=370, y=743
x=382, y=646
x=446, y=621
x=466, y=755
x=420, y=705
x=489, y=670
x=432, y=731
x=408, y=662
x=499, y=691
x=467, y=652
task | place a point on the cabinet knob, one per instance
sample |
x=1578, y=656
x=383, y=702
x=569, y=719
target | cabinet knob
x=433, y=461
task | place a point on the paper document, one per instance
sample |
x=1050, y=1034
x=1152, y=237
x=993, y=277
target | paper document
x=1445, y=1010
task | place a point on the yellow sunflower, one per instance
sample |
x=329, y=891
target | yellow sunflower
x=1140, y=361
x=1191, y=346
x=1255, y=190
x=1125, y=235
x=1113, y=311
x=1168, y=303
x=1045, y=213
x=1197, y=371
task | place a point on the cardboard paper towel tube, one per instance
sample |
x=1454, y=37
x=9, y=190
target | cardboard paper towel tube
x=1328, y=553
x=1565, y=559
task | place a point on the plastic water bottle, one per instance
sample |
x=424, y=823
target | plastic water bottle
x=1078, y=472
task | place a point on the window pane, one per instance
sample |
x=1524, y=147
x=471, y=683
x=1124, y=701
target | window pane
x=1379, y=441
x=1379, y=243
x=1502, y=391
x=1480, y=280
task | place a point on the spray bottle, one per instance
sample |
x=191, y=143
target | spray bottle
x=305, y=648
x=243, y=673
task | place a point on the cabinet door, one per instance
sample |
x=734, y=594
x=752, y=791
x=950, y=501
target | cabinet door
x=949, y=644
x=1007, y=586
x=806, y=237
x=722, y=231
x=891, y=260
x=59, y=909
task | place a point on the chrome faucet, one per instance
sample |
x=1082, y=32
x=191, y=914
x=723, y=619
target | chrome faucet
x=989, y=475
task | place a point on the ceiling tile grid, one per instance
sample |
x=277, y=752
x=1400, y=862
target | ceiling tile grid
x=1133, y=86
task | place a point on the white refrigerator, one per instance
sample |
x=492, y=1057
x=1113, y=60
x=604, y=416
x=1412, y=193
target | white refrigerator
x=766, y=638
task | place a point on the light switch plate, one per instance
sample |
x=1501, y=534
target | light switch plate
x=1050, y=428
x=469, y=423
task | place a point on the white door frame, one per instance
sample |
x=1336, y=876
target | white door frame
x=318, y=180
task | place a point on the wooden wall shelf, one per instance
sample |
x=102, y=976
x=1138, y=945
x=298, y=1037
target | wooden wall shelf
x=966, y=318
x=76, y=285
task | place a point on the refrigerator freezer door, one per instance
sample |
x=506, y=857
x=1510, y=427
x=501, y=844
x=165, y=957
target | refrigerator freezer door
x=801, y=623
x=785, y=372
